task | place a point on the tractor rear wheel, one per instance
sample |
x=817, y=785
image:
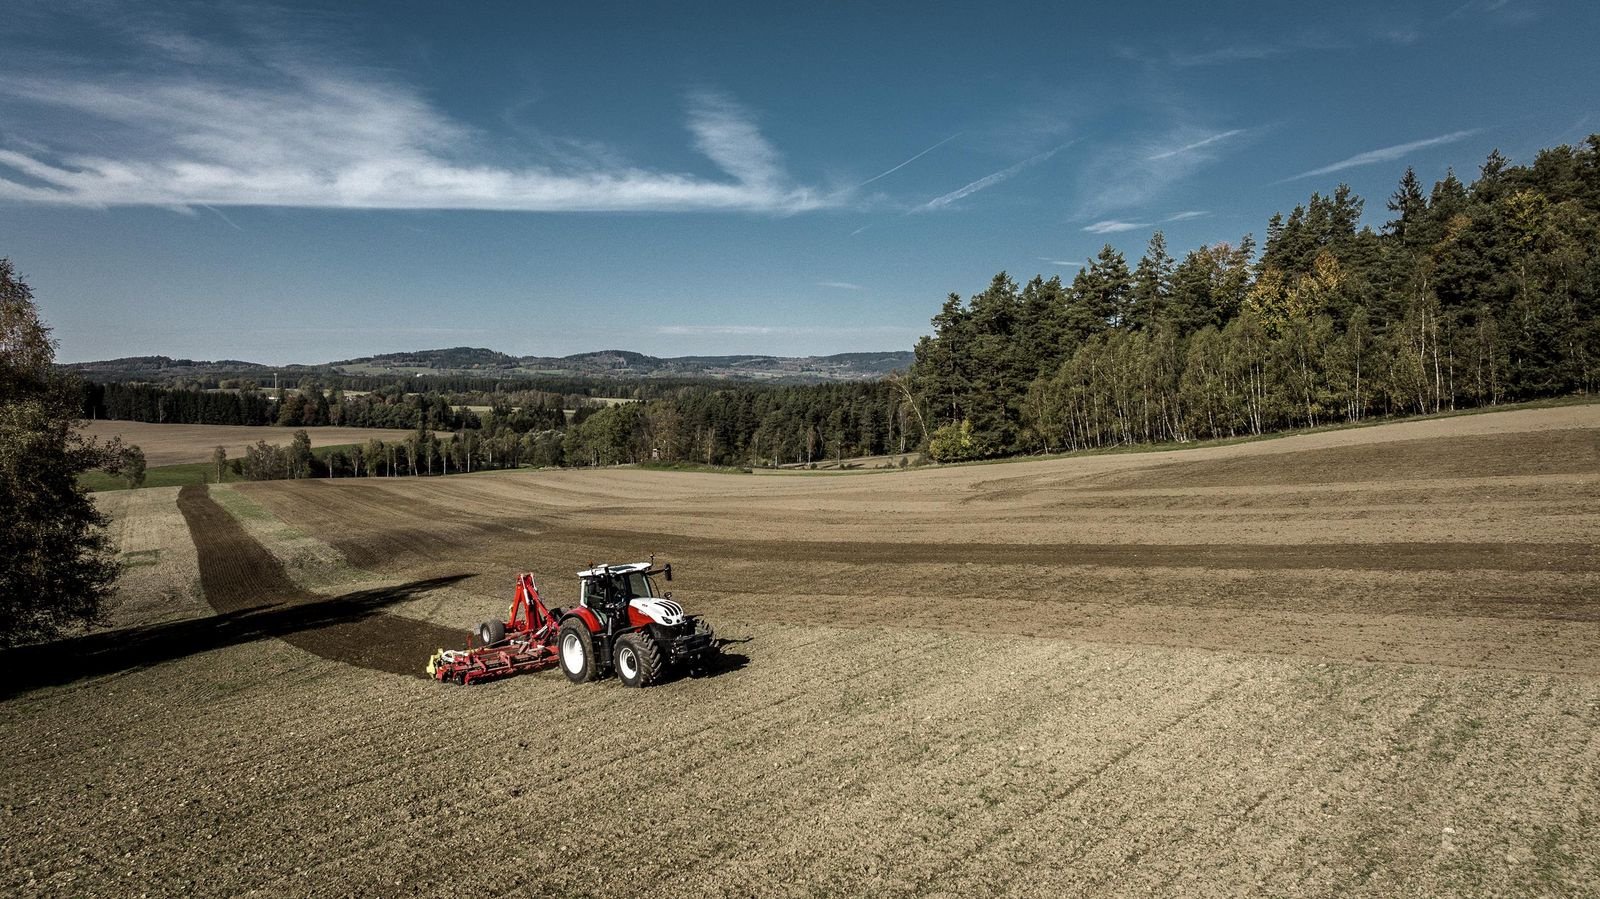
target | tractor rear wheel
x=576, y=649
x=638, y=660
x=491, y=632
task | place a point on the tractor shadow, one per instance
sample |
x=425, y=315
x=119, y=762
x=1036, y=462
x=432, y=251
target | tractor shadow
x=352, y=627
x=722, y=663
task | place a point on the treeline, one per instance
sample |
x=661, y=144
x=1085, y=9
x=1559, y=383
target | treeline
x=714, y=425
x=423, y=453
x=390, y=407
x=749, y=426
x=1470, y=295
x=144, y=402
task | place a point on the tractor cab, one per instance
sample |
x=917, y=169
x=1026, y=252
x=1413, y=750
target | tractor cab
x=611, y=583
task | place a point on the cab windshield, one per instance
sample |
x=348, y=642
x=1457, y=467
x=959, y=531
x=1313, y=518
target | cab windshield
x=638, y=586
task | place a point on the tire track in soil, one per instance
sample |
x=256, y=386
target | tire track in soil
x=240, y=578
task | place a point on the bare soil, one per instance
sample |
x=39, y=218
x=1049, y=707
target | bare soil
x=1353, y=663
x=170, y=444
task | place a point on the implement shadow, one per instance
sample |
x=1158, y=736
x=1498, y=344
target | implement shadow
x=351, y=628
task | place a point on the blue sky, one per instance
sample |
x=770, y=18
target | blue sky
x=290, y=183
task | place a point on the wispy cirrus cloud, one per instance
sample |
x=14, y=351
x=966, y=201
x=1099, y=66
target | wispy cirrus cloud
x=840, y=285
x=987, y=181
x=1131, y=175
x=277, y=130
x=1112, y=226
x=1384, y=154
x=1186, y=215
x=1223, y=53
x=1508, y=12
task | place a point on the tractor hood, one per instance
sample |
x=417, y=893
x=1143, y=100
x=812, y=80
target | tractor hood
x=661, y=611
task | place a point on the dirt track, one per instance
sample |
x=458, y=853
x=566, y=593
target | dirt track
x=1371, y=679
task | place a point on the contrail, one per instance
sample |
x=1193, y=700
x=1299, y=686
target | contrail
x=908, y=161
x=1197, y=144
x=1383, y=154
x=988, y=180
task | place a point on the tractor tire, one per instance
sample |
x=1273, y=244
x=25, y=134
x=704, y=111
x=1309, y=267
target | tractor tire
x=491, y=632
x=638, y=660
x=575, y=648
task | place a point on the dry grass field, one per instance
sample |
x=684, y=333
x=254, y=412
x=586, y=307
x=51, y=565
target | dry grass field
x=174, y=444
x=1360, y=662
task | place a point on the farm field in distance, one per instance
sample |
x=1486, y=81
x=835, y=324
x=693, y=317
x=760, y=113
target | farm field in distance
x=172, y=444
x=1357, y=662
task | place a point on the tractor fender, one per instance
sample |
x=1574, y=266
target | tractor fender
x=587, y=616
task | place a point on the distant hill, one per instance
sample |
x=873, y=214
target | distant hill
x=482, y=362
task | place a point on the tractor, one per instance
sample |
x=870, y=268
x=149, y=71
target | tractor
x=622, y=623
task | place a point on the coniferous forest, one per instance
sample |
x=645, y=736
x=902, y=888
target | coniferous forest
x=1470, y=295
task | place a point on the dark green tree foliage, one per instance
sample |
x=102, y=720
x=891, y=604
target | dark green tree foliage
x=1470, y=295
x=146, y=402
x=1152, y=285
x=56, y=564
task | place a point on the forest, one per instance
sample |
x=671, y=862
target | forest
x=1469, y=295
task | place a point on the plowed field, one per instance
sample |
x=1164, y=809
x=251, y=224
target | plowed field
x=1362, y=662
x=171, y=444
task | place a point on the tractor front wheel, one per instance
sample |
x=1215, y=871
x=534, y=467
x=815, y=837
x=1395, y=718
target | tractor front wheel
x=576, y=649
x=638, y=660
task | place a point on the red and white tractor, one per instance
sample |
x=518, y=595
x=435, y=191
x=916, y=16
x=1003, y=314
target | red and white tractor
x=622, y=623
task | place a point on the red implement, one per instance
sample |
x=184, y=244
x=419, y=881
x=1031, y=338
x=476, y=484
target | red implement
x=525, y=642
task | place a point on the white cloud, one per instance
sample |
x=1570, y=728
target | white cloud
x=840, y=285
x=286, y=134
x=1185, y=216
x=1384, y=154
x=986, y=181
x=1061, y=262
x=1114, y=227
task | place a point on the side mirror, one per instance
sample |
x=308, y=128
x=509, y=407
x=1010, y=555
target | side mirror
x=668, y=571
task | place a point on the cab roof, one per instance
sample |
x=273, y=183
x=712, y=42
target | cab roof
x=601, y=570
